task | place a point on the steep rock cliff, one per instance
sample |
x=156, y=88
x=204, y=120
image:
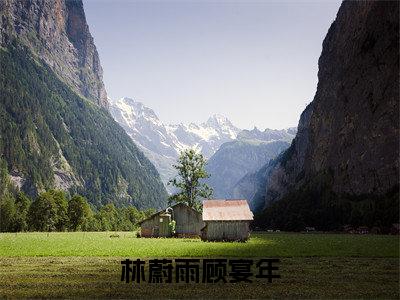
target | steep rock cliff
x=56, y=31
x=346, y=150
x=54, y=129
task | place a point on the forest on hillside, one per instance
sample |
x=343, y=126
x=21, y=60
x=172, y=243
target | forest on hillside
x=53, y=138
x=57, y=210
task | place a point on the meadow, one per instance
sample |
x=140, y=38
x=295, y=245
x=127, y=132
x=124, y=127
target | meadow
x=88, y=264
x=260, y=245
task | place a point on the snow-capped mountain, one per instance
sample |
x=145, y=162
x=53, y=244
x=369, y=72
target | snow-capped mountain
x=144, y=127
x=232, y=152
x=162, y=143
x=206, y=137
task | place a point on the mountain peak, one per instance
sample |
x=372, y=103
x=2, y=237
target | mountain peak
x=267, y=135
x=130, y=111
x=218, y=119
x=129, y=101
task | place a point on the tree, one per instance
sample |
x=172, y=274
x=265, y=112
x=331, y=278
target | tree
x=191, y=170
x=4, y=178
x=14, y=205
x=107, y=217
x=43, y=213
x=7, y=213
x=22, y=204
x=79, y=213
x=61, y=209
x=133, y=214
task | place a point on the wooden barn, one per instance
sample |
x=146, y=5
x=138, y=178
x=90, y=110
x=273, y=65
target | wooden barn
x=226, y=220
x=188, y=222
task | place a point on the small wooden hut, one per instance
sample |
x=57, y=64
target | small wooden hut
x=188, y=222
x=226, y=220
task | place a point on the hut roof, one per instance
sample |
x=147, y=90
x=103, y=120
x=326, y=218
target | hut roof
x=163, y=210
x=226, y=210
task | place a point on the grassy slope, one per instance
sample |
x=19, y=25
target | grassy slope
x=88, y=265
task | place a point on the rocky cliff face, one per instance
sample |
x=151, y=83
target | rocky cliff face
x=285, y=172
x=57, y=32
x=349, y=135
x=50, y=136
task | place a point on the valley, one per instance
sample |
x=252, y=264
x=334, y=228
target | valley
x=85, y=176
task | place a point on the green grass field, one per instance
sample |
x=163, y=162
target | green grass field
x=260, y=244
x=88, y=265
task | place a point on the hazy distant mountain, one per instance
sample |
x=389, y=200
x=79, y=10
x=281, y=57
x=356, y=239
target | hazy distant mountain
x=248, y=153
x=252, y=186
x=268, y=134
x=162, y=143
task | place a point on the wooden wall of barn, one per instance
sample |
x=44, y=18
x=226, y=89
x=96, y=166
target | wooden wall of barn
x=150, y=226
x=188, y=221
x=226, y=231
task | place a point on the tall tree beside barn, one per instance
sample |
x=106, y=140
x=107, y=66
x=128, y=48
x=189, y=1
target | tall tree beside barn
x=191, y=170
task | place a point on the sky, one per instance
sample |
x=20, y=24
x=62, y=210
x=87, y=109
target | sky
x=255, y=62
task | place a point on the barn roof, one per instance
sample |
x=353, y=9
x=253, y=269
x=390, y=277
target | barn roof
x=163, y=210
x=226, y=210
